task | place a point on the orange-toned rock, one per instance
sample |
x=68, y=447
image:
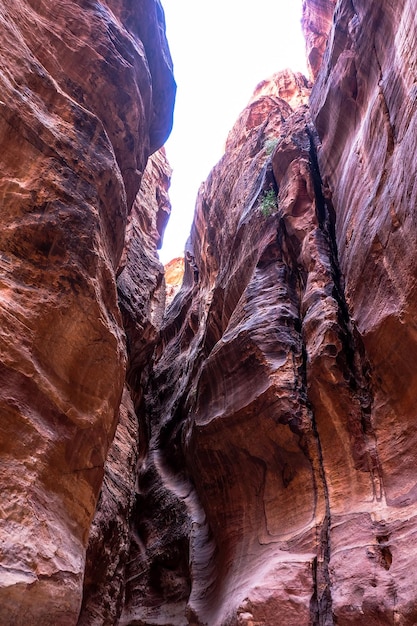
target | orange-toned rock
x=86, y=94
x=174, y=273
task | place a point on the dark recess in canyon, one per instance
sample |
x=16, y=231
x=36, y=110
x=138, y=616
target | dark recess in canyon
x=245, y=454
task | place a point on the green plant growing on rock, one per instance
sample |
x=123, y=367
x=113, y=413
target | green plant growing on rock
x=269, y=203
x=270, y=145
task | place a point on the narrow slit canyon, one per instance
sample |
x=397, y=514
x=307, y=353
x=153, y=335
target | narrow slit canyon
x=238, y=447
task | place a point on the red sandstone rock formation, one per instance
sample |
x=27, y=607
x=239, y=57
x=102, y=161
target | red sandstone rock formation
x=364, y=108
x=262, y=468
x=86, y=95
x=141, y=290
x=174, y=273
x=317, y=22
x=233, y=499
x=279, y=481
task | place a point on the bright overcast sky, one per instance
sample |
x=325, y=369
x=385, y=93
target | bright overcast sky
x=221, y=50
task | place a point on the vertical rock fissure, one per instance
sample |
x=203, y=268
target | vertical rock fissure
x=321, y=613
x=356, y=365
x=321, y=600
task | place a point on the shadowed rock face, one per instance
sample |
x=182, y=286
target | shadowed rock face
x=86, y=94
x=279, y=480
x=141, y=291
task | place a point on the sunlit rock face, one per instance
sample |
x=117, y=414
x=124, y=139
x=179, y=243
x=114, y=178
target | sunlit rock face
x=364, y=108
x=174, y=274
x=86, y=94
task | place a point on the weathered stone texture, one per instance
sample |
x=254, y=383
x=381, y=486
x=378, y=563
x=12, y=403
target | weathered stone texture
x=141, y=290
x=317, y=21
x=86, y=94
x=280, y=410
x=364, y=108
x=233, y=472
x=174, y=273
x=140, y=283
x=259, y=462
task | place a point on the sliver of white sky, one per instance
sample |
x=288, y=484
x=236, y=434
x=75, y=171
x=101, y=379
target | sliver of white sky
x=221, y=49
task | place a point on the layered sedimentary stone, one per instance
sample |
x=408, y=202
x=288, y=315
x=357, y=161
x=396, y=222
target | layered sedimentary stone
x=317, y=21
x=364, y=109
x=174, y=273
x=80, y=112
x=141, y=291
x=280, y=412
x=109, y=539
x=140, y=283
x=262, y=469
x=232, y=515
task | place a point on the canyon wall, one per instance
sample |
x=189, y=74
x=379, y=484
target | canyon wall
x=86, y=95
x=364, y=108
x=248, y=456
x=279, y=480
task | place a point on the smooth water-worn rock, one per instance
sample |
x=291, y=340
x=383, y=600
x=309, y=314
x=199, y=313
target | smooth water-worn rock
x=249, y=458
x=317, y=21
x=174, y=273
x=279, y=477
x=232, y=505
x=86, y=94
x=141, y=291
x=364, y=108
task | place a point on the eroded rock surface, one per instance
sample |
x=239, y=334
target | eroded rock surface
x=141, y=289
x=259, y=463
x=279, y=478
x=317, y=21
x=232, y=488
x=364, y=108
x=174, y=274
x=86, y=95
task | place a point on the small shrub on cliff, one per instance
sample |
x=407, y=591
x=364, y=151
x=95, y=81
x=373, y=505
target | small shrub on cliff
x=270, y=145
x=269, y=203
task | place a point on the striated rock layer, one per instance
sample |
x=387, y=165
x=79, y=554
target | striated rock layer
x=142, y=299
x=254, y=464
x=232, y=515
x=317, y=21
x=279, y=480
x=86, y=94
x=174, y=274
x=364, y=108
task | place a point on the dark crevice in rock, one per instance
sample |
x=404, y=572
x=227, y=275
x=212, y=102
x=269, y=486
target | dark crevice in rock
x=352, y=359
x=321, y=601
x=305, y=426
